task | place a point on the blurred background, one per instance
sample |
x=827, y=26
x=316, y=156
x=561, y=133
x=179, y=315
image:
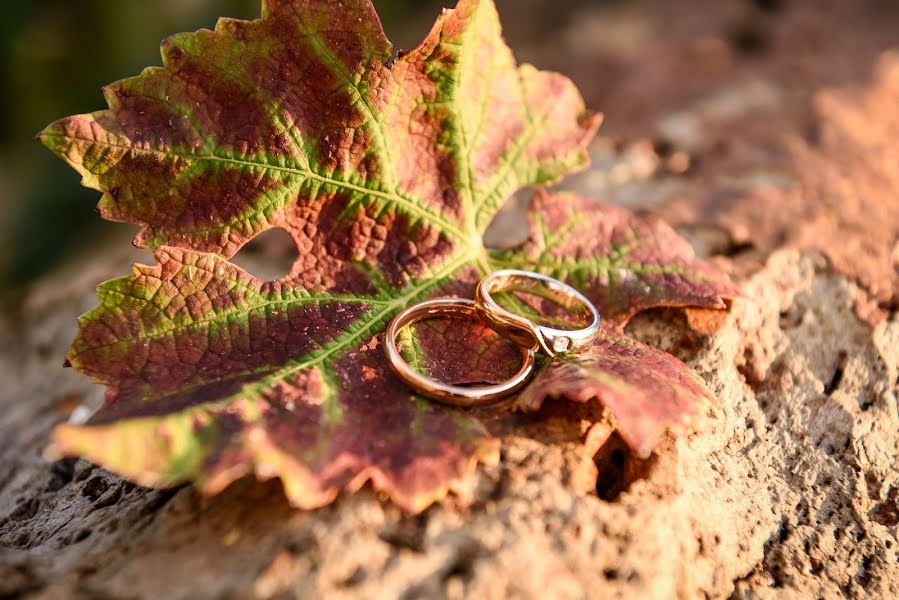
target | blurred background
x=661, y=71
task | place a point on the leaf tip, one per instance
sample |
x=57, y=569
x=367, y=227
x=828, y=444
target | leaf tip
x=48, y=136
x=65, y=440
x=591, y=122
x=490, y=455
x=52, y=453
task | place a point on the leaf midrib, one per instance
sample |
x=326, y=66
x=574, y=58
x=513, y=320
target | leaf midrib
x=407, y=205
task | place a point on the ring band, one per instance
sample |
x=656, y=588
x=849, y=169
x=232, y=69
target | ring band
x=465, y=397
x=523, y=331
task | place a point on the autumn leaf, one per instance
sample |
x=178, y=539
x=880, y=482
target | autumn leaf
x=385, y=171
x=647, y=390
x=624, y=264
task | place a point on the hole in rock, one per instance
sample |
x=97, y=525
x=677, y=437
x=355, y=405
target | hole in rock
x=408, y=533
x=355, y=578
x=22, y=541
x=26, y=510
x=462, y=563
x=61, y=474
x=769, y=6
x=110, y=499
x=94, y=488
x=735, y=249
x=663, y=147
x=81, y=536
x=837, y=377
x=83, y=473
x=618, y=468
x=791, y=318
x=750, y=38
x=887, y=512
x=269, y=256
x=865, y=574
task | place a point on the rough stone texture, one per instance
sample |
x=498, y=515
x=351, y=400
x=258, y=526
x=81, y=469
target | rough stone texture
x=793, y=489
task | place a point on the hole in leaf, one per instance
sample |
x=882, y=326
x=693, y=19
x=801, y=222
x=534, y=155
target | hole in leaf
x=510, y=226
x=269, y=256
x=618, y=468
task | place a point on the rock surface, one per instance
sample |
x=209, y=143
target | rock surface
x=794, y=488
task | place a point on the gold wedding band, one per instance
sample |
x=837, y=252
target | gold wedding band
x=523, y=331
x=465, y=397
x=529, y=336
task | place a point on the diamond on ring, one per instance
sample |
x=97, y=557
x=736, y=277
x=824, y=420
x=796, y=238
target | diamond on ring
x=561, y=344
x=521, y=330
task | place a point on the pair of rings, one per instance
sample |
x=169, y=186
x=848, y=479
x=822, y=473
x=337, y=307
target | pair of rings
x=529, y=336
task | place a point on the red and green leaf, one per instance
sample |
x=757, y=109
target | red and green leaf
x=386, y=174
x=623, y=263
x=647, y=390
